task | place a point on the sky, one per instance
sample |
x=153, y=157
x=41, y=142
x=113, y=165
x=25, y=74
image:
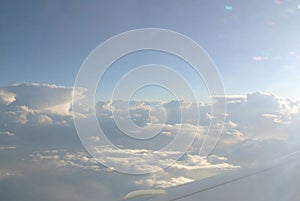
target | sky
x=255, y=45
x=165, y=125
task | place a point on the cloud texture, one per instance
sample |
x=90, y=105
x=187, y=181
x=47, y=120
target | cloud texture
x=36, y=125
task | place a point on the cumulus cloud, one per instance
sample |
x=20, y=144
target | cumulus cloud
x=37, y=103
x=189, y=168
x=258, y=127
x=64, y=159
x=7, y=97
x=256, y=124
x=44, y=97
x=23, y=115
x=163, y=181
x=256, y=114
x=262, y=115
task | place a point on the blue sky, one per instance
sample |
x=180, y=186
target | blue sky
x=255, y=45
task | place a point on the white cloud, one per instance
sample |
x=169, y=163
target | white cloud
x=281, y=182
x=4, y=173
x=7, y=97
x=7, y=147
x=260, y=58
x=43, y=97
x=258, y=127
x=190, y=168
x=23, y=115
x=253, y=123
x=262, y=115
x=64, y=159
x=155, y=181
x=7, y=133
x=37, y=103
x=95, y=138
x=255, y=115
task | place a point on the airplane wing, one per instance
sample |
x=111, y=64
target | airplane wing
x=276, y=181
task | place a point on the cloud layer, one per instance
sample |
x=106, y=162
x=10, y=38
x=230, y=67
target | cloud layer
x=37, y=132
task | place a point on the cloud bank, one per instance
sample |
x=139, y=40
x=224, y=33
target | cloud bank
x=36, y=127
